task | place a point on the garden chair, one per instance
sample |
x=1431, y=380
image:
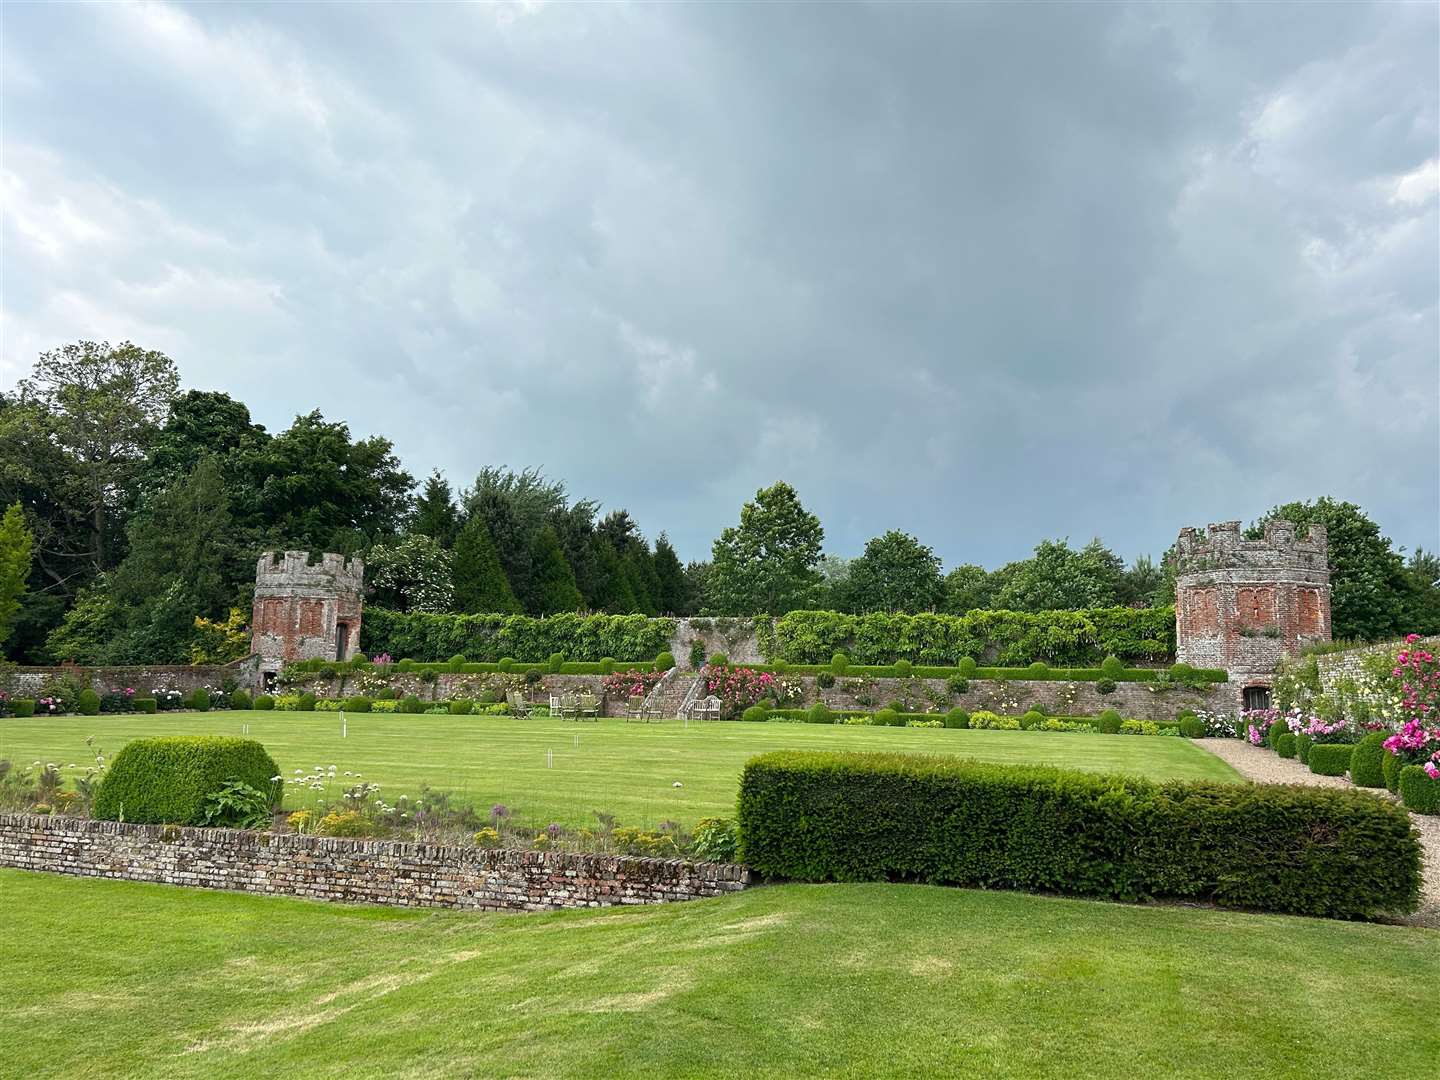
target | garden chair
x=518, y=705
x=635, y=710
x=570, y=706
x=709, y=709
x=589, y=708
x=557, y=705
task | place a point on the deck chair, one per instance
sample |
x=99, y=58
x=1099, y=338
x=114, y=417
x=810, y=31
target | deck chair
x=588, y=708
x=518, y=705
x=635, y=710
x=570, y=706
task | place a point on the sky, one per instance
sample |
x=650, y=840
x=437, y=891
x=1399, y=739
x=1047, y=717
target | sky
x=983, y=274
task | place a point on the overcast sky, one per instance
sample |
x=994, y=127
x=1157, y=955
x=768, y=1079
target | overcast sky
x=984, y=274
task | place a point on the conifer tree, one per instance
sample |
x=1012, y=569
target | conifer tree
x=553, y=588
x=480, y=582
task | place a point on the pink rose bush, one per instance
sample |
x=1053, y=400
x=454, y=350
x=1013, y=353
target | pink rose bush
x=627, y=684
x=740, y=687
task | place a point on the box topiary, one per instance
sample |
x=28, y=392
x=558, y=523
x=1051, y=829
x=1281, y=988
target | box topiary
x=1303, y=743
x=1285, y=745
x=533, y=677
x=839, y=664
x=88, y=703
x=1330, y=759
x=25, y=706
x=167, y=780
x=1192, y=727
x=460, y=706
x=385, y=693
x=1038, y=669
x=410, y=704
x=1108, y=722
x=199, y=700
x=664, y=661
x=1390, y=767
x=903, y=668
x=1031, y=720
x=755, y=715
x=143, y=704
x=357, y=704
x=1367, y=763
x=886, y=718
x=239, y=699
x=264, y=702
x=1418, y=792
x=1111, y=667
x=819, y=713
x=607, y=665
x=957, y=718
x=307, y=702
x=456, y=664
x=967, y=666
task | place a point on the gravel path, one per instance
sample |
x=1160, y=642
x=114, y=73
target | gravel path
x=1266, y=767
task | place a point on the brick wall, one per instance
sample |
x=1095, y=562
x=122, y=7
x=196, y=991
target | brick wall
x=1016, y=696
x=355, y=871
x=27, y=681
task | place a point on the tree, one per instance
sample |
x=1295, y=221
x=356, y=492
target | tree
x=1423, y=570
x=895, y=573
x=766, y=564
x=205, y=422
x=553, y=587
x=16, y=543
x=1371, y=597
x=480, y=582
x=1058, y=578
x=575, y=526
x=1142, y=583
x=967, y=588
x=104, y=406
x=670, y=579
x=89, y=631
x=613, y=592
x=414, y=573
x=435, y=512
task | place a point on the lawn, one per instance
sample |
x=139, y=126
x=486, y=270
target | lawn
x=551, y=770
x=111, y=978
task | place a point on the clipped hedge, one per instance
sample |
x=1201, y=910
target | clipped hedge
x=1285, y=745
x=166, y=780
x=423, y=636
x=146, y=705
x=825, y=816
x=1367, y=762
x=1418, y=792
x=1330, y=759
x=88, y=704
x=23, y=707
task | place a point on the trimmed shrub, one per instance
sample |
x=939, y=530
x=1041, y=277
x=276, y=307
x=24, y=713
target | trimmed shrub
x=1418, y=792
x=460, y=706
x=1367, y=761
x=819, y=713
x=1390, y=766
x=1109, y=722
x=1285, y=745
x=607, y=665
x=199, y=700
x=1274, y=731
x=167, y=780
x=664, y=661
x=1032, y=720
x=903, y=668
x=22, y=707
x=1039, y=669
x=895, y=705
x=88, y=703
x=1105, y=686
x=718, y=659
x=755, y=715
x=411, y=704
x=1303, y=743
x=957, y=684
x=239, y=699
x=506, y=665
x=967, y=666
x=357, y=704
x=385, y=693
x=533, y=677
x=825, y=680
x=555, y=663
x=1330, y=759
x=1111, y=667
x=812, y=816
x=839, y=664
x=1192, y=727
x=456, y=664
x=307, y=702
x=264, y=702
x=887, y=718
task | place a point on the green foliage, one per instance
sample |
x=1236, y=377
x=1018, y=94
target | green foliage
x=825, y=680
x=719, y=659
x=715, y=839
x=16, y=544
x=607, y=665
x=555, y=663
x=410, y=704
x=264, y=702
x=887, y=718
x=1105, y=686
x=755, y=714
x=479, y=581
x=1390, y=766
x=1192, y=727
x=967, y=666
x=888, y=817
x=461, y=706
x=819, y=713
x=1031, y=720
x=1109, y=722
x=957, y=684
x=486, y=638
x=1366, y=763
x=413, y=573
x=88, y=703
x=23, y=707
x=1111, y=667
x=1303, y=743
x=237, y=805
x=357, y=704
x=766, y=563
x=507, y=664
x=143, y=705
x=957, y=718
x=664, y=661
x=1273, y=733
x=839, y=663
x=1285, y=745
x=1058, y=578
x=198, y=699
x=167, y=780
x=1330, y=759
x=1418, y=792
x=307, y=702
x=552, y=583
x=895, y=573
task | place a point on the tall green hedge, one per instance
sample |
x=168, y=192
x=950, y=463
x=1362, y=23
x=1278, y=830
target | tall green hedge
x=486, y=638
x=166, y=780
x=1005, y=638
x=816, y=816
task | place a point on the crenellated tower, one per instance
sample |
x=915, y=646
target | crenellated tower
x=1243, y=604
x=306, y=608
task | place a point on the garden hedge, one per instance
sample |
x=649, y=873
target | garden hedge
x=825, y=816
x=146, y=705
x=166, y=780
x=1367, y=762
x=23, y=706
x=88, y=704
x=1330, y=759
x=1418, y=792
x=1285, y=745
x=1390, y=767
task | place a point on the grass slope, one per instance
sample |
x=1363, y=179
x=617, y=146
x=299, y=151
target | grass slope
x=120, y=979
x=625, y=769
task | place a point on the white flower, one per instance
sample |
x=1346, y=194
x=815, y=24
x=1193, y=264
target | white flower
x=677, y=783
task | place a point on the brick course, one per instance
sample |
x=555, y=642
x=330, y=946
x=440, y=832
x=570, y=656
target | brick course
x=355, y=871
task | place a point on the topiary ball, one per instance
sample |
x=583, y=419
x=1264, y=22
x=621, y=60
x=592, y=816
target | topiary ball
x=1367, y=762
x=532, y=677
x=1418, y=792
x=755, y=715
x=555, y=663
x=1192, y=727
x=1109, y=722
x=88, y=703
x=839, y=664
x=1390, y=767
x=664, y=661
x=886, y=718
x=307, y=702
x=456, y=663
x=607, y=665
x=1111, y=667
x=1285, y=745
x=903, y=668
x=957, y=718
x=1039, y=667
x=1031, y=720
x=506, y=665
x=1273, y=733
x=819, y=713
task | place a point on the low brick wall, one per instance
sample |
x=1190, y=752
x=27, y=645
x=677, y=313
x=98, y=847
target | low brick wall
x=355, y=871
x=1015, y=696
x=144, y=679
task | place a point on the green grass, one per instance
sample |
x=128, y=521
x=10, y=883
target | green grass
x=550, y=770
x=107, y=978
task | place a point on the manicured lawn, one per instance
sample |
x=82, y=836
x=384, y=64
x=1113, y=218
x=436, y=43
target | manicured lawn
x=120, y=979
x=552, y=770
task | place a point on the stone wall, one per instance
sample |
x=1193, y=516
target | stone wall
x=301, y=608
x=1351, y=662
x=355, y=871
x=1015, y=697
x=26, y=682
x=733, y=637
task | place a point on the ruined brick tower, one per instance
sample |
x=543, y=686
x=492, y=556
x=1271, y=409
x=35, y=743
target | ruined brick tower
x=305, y=610
x=1243, y=604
